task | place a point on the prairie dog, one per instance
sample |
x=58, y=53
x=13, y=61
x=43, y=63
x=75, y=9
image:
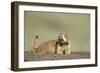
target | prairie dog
x=59, y=46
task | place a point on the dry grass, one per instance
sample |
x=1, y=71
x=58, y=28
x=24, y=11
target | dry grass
x=31, y=56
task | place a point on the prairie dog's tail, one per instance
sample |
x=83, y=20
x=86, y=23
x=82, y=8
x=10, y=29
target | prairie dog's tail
x=35, y=43
x=36, y=37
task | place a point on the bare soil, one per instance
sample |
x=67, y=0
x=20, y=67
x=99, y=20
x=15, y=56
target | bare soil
x=31, y=56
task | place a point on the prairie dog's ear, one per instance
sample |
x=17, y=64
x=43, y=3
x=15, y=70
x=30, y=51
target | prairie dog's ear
x=58, y=33
x=61, y=34
x=66, y=35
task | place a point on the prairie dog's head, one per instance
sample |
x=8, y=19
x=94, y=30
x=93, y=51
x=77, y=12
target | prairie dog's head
x=63, y=38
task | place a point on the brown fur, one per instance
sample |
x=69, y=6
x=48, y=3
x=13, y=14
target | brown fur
x=47, y=47
x=35, y=43
x=53, y=47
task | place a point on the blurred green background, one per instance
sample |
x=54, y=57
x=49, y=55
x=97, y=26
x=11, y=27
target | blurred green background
x=48, y=25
